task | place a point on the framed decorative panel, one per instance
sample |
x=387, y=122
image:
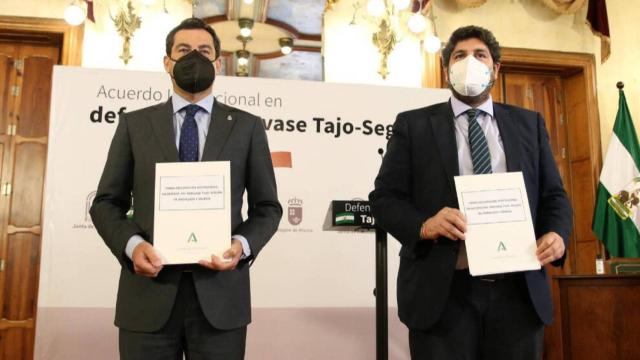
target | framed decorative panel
x=299, y=65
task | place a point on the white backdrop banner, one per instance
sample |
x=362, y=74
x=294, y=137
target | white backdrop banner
x=311, y=288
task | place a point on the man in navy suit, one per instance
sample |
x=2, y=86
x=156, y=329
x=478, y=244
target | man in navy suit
x=449, y=313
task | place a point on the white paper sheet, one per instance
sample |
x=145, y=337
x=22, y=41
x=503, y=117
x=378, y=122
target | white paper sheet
x=500, y=236
x=192, y=219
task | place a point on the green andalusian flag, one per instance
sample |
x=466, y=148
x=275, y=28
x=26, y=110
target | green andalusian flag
x=616, y=219
x=345, y=218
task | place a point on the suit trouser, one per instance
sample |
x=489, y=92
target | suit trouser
x=186, y=332
x=483, y=319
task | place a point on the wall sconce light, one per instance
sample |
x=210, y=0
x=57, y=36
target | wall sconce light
x=329, y=5
x=243, y=57
x=245, y=27
x=243, y=62
x=126, y=22
x=248, y=2
x=417, y=23
x=401, y=4
x=432, y=44
x=376, y=7
x=74, y=14
x=286, y=45
x=388, y=16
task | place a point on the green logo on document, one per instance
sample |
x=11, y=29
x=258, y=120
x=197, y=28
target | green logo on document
x=192, y=238
x=501, y=247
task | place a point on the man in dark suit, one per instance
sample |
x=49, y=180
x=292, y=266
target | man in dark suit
x=199, y=310
x=449, y=313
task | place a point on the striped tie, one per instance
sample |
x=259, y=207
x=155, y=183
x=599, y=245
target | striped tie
x=480, y=156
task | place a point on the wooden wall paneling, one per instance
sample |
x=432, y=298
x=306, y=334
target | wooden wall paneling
x=550, y=90
x=515, y=88
x=72, y=36
x=553, y=342
x=23, y=164
x=583, y=165
x=23, y=245
x=35, y=96
x=7, y=106
x=585, y=262
x=497, y=89
x=542, y=93
x=21, y=276
x=28, y=182
x=575, y=67
x=432, y=74
x=5, y=141
x=17, y=344
x=584, y=200
x=577, y=73
x=559, y=134
x=6, y=67
x=577, y=117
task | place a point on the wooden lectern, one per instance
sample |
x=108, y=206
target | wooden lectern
x=596, y=317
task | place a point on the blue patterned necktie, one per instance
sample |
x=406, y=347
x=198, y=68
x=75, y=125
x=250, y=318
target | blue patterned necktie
x=480, y=155
x=189, y=134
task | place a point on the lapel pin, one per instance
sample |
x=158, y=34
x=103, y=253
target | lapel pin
x=229, y=118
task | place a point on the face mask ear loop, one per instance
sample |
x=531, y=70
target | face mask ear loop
x=174, y=66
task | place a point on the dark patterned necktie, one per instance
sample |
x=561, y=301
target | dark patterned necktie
x=480, y=155
x=189, y=134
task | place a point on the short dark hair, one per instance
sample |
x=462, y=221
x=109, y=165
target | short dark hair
x=193, y=23
x=471, y=32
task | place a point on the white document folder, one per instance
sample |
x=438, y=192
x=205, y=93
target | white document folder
x=192, y=217
x=500, y=236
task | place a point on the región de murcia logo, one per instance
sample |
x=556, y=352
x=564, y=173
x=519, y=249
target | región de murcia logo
x=294, y=211
x=624, y=202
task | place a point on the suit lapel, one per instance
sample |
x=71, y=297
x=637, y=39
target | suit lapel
x=162, y=123
x=444, y=133
x=509, y=136
x=219, y=130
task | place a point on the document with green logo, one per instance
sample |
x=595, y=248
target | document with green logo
x=192, y=218
x=500, y=236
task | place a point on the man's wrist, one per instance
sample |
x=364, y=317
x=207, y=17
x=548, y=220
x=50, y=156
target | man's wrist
x=134, y=241
x=424, y=234
x=246, y=250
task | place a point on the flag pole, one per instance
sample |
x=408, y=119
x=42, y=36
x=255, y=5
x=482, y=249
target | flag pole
x=601, y=247
x=601, y=250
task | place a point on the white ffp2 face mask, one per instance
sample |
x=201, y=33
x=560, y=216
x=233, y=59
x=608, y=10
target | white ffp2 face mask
x=469, y=77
